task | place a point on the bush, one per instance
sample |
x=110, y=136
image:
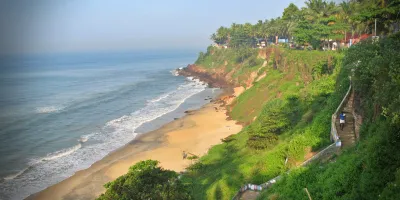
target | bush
x=262, y=141
x=273, y=118
x=241, y=54
x=271, y=122
x=228, y=139
x=146, y=180
x=201, y=58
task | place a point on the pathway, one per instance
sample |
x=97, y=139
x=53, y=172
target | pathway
x=347, y=136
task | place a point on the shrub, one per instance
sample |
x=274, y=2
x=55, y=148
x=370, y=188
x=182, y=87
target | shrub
x=273, y=118
x=228, y=139
x=146, y=180
x=262, y=141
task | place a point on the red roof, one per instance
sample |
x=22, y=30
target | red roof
x=355, y=37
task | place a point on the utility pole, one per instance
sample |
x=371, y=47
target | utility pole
x=375, y=27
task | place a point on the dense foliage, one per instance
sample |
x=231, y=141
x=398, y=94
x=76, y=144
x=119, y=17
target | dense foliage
x=370, y=170
x=146, y=180
x=317, y=22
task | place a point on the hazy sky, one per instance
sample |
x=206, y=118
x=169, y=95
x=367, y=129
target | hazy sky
x=86, y=25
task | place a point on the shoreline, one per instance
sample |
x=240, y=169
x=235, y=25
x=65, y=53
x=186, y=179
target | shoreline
x=196, y=132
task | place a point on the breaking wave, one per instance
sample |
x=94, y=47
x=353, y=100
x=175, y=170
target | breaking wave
x=56, y=166
x=159, y=98
x=13, y=176
x=62, y=153
x=51, y=156
x=175, y=72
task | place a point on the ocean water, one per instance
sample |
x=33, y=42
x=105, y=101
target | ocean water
x=60, y=113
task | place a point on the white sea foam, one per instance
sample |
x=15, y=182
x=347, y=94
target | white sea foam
x=51, y=156
x=62, y=153
x=175, y=72
x=159, y=98
x=85, y=138
x=63, y=163
x=13, y=176
x=189, y=78
x=49, y=109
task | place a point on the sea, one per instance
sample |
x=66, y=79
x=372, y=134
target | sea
x=61, y=112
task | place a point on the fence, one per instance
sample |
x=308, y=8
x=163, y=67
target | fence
x=326, y=151
x=334, y=135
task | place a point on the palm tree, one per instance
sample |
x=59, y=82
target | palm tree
x=222, y=34
x=317, y=9
x=347, y=10
x=265, y=31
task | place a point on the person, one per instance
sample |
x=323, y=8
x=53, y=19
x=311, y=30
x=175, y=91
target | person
x=184, y=155
x=342, y=120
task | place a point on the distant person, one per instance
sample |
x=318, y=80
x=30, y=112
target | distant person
x=184, y=155
x=342, y=120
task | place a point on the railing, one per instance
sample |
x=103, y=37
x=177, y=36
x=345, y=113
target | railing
x=334, y=135
x=328, y=150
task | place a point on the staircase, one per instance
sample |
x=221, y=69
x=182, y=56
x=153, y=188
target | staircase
x=347, y=135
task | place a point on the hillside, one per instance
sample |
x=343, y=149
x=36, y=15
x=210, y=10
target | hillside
x=288, y=102
x=260, y=73
x=370, y=169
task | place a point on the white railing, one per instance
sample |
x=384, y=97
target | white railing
x=334, y=134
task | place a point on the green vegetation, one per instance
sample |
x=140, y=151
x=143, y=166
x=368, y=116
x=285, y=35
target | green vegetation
x=296, y=68
x=370, y=170
x=294, y=102
x=287, y=110
x=315, y=24
x=146, y=180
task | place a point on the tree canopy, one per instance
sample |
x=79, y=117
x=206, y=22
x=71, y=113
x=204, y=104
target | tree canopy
x=318, y=21
x=146, y=180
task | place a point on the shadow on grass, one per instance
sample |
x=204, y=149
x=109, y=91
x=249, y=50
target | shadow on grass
x=217, y=178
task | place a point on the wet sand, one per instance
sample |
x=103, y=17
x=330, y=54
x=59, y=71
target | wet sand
x=195, y=133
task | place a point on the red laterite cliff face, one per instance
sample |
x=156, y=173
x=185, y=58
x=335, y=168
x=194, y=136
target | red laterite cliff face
x=224, y=76
x=216, y=78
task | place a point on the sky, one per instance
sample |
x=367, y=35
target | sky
x=96, y=25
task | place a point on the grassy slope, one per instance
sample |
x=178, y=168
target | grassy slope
x=295, y=69
x=371, y=169
x=304, y=81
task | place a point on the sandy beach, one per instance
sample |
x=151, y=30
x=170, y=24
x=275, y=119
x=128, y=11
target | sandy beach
x=194, y=133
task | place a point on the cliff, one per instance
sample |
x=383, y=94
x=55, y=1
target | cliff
x=216, y=79
x=284, y=104
x=262, y=75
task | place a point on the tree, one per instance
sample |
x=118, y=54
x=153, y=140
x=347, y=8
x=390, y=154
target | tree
x=290, y=13
x=146, y=180
x=221, y=36
x=272, y=121
x=290, y=19
x=385, y=11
